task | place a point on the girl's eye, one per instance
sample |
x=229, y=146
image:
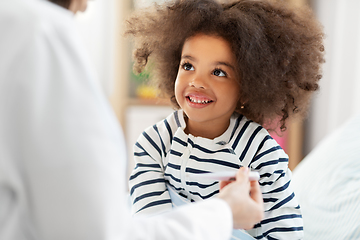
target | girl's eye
x=188, y=67
x=219, y=73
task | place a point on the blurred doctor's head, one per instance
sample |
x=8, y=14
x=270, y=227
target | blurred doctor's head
x=72, y=5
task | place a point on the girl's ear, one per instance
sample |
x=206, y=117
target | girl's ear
x=242, y=105
x=242, y=101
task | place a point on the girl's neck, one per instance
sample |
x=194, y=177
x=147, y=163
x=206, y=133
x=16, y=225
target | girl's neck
x=206, y=130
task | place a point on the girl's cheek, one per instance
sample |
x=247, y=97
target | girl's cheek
x=177, y=90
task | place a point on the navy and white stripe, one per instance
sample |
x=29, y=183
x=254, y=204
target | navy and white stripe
x=165, y=155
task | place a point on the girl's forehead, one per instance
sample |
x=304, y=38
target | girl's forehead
x=208, y=46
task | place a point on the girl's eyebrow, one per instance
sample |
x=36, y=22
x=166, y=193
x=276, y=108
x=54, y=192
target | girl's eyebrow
x=188, y=57
x=226, y=64
x=216, y=63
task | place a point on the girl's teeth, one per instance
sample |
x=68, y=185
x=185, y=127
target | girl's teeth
x=199, y=101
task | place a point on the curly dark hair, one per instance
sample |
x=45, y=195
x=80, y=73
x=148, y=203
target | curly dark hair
x=279, y=50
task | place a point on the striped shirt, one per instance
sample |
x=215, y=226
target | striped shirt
x=165, y=156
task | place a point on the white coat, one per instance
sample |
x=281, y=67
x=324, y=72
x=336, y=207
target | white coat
x=62, y=153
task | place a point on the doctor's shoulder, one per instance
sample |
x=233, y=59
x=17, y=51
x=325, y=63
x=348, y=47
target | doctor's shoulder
x=27, y=18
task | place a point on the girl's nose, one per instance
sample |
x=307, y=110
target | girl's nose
x=198, y=82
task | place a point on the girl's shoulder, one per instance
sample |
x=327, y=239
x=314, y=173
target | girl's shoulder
x=246, y=131
x=167, y=126
x=242, y=123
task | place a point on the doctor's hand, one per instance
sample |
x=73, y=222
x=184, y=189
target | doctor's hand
x=244, y=198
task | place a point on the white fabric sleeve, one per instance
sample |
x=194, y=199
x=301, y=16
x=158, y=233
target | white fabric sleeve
x=62, y=147
x=210, y=219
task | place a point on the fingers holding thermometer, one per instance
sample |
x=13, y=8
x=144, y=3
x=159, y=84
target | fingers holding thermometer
x=244, y=198
x=227, y=177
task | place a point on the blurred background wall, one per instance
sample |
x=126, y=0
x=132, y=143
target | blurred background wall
x=339, y=95
x=98, y=27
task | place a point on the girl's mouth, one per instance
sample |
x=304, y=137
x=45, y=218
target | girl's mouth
x=198, y=100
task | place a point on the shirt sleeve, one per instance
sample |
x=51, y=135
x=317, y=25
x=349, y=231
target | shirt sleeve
x=148, y=191
x=205, y=220
x=282, y=218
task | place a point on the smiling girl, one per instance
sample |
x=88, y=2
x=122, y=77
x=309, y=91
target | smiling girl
x=228, y=69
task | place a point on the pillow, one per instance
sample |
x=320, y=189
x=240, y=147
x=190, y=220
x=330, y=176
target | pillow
x=327, y=185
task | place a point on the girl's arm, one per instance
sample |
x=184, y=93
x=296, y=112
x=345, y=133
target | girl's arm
x=148, y=191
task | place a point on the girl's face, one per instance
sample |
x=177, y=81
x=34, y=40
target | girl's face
x=206, y=87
